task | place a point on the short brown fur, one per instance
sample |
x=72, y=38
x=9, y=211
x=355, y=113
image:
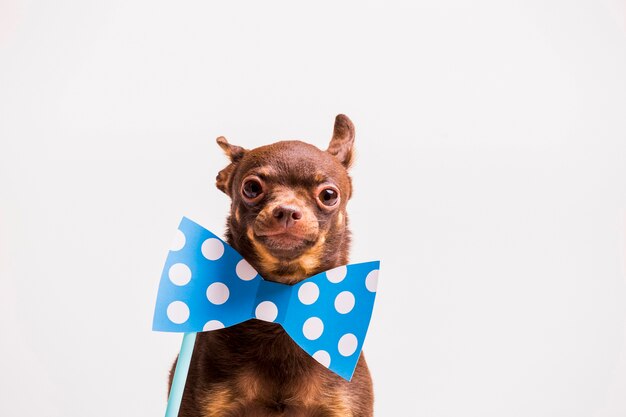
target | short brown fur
x=254, y=369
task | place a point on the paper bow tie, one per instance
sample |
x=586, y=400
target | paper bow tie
x=207, y=285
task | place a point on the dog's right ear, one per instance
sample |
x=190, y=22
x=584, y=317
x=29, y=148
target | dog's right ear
x=234, y=153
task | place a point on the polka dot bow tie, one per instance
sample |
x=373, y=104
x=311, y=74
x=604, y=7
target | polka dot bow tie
x=207, y=285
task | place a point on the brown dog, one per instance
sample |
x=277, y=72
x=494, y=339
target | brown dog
x=288, y=219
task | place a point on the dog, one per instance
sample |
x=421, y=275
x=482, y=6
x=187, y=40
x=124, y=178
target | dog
x=288, y=219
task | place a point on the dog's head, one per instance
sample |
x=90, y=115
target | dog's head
x=288, y=211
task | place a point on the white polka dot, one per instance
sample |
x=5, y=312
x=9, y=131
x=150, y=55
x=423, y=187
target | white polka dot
x=212, y=249
x=179, y=241
x=347, y=344
x=344, y=303
x=213, y=325
x=308, y=293
x=217, y=293
x=266, y=311
x=178, y=312
x=336, y=275
x=245, y=271
x=371, y=281
x=179, y=274
x=322, y=357
x=313, y=328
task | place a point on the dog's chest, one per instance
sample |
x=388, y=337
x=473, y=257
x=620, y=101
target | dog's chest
x=265, y=376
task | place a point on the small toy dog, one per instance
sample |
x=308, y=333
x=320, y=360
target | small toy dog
x=288, y=219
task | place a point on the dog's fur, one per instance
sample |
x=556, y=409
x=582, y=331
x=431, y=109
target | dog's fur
x=254, y=369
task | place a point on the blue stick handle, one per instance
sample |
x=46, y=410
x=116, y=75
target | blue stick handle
x=180, y=375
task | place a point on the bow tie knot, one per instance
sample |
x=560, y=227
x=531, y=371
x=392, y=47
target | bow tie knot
x=206, y=285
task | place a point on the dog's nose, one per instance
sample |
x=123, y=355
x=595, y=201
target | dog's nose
x=286, y=215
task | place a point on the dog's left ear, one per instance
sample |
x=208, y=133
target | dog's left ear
x=234, y=153
x=343, y=140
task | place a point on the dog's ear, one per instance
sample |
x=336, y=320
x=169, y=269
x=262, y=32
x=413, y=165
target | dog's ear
x=234, y=153
x=343, y=140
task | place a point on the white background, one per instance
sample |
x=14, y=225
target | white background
x=490, y=181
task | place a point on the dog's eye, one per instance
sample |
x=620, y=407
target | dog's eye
x=252, y=188
x=328, y=196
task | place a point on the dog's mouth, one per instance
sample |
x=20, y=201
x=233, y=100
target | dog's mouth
x=285, y=244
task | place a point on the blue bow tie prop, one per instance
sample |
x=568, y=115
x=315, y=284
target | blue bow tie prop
x=207, y=285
